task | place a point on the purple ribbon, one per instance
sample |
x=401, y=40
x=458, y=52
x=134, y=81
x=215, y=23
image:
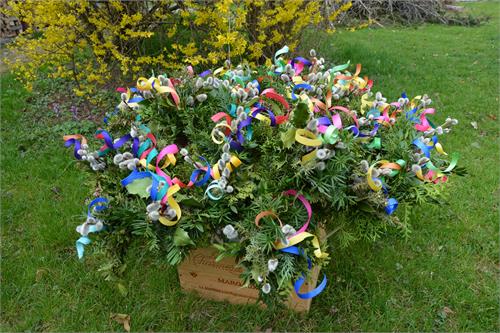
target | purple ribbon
x=71, y=142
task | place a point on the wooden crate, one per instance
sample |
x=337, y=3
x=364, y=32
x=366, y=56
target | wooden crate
x=221, y=280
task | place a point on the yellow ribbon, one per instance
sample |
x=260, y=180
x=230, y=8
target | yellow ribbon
x=174, y=205
x=420, y=175
x=365, y=103
x=233, y=163
x=144, y=84
x=299, y=238
x=297, y=79
x=214, y=139
x=307, y=138
x=263, y=118
x=376, y=186
x=414, y=101
x=219, y=70
x=440, y=149
x=305, y=98
x=308, y=157
x=170, y=160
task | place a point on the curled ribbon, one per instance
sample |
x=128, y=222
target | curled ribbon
x=109, y=144
x=97, y=205
x=424, y=123
x=154, y=84
x=307, y=138
x=233, y=163
x=214, y=191
x=300, y=281
x=298, y=237
x=264, y=214
x=70, y=140
x=374, y=183
x=304, y=86
x=165, y=195
x=301, y=234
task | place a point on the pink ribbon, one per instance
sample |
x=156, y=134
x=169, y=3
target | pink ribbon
x=171, y=149
x=307, y=206
x=346, y=111
x=424, y=124
x=271, y=94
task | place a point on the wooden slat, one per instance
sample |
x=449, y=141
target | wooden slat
x=221, y=280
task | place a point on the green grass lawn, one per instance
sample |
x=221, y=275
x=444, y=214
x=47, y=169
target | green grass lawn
x=442, y=278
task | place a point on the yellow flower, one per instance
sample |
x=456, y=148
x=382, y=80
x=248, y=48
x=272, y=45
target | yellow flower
x=86, y=40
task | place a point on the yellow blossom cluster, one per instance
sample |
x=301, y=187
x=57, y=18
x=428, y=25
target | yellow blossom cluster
x=90, y=41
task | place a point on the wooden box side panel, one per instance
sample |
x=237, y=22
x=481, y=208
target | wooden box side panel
x=303, y=305
x=221, y=280
x=214, y=280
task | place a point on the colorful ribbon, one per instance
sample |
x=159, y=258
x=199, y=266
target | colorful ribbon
x=74, y=140
x=97, y=205
x=154, y=85
x=301, y=280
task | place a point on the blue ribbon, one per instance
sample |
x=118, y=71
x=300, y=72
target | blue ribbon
x=410, y=115
x=300, y=86
x=85, y=240
x=302, y=60
x=392, y=205
x=423, y=147
x=197, y=172
x=114, y=146
x=300, y=281
x=156, y=179
x=205, y=73
x=271, y=115
x=93, y=205
x=135, y=99
x=135, y=175
x=77, y=144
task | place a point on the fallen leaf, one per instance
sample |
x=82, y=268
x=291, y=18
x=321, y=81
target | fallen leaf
x=123, y=319
x=333, y=310
x=447, y=310
x=474, y=124
x=122, y=289
x=492, y=117
x=40, y=273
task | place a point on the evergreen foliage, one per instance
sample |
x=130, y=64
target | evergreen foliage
x=335, y=180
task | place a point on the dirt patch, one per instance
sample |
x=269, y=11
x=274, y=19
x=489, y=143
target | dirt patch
x=5, y=53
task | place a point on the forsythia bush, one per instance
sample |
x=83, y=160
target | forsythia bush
x=91, y=41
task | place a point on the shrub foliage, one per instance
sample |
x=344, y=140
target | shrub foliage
x=91, y=41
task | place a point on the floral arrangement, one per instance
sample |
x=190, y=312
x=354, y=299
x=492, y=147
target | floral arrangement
x=265, y=164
